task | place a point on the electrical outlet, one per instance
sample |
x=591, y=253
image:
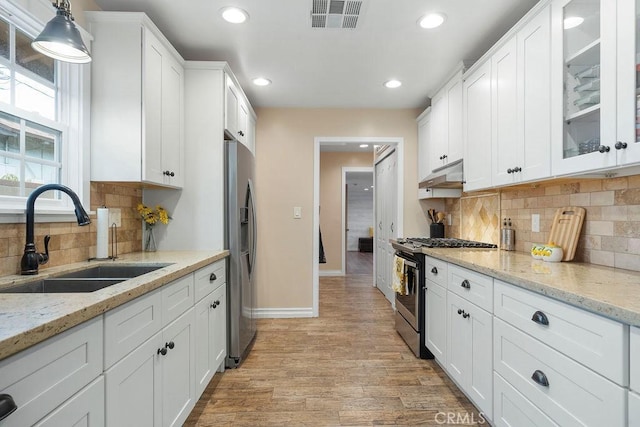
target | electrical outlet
x=115, y=216
x=448, y=219
x=535, y=223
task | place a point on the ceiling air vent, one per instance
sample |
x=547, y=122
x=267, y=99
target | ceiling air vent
x=335, y=13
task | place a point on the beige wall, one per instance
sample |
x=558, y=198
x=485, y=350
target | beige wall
x=284, y=169
x=611, y=232
x=79, y=6
x=331, y=165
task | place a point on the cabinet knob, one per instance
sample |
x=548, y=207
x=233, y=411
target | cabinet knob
x=517, y=169
x=620, y=145
x=459, y=311
x=170, y=345
x=540, y=318
x=162, y=351
x=213, y=277
x=604, y=149
x=465, y=284
x=7, y=406
x=509, y=170
x=434, y=270
x=217, y=302
x=465, y=314
x=172, y=174
x=213, y=305
x=540, y=378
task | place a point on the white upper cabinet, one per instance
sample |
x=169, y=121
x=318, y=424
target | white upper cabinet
x=477, y=128
x=595, y=86
x=446, y=124
x=424, y=140
x=137, y=102
x=239, y=122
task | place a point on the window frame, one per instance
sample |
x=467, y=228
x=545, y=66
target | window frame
x=73, y=113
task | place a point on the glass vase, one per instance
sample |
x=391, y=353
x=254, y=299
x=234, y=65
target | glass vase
x=149, y=240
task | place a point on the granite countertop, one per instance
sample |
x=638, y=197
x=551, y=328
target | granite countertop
x=611, y=292
x=27, y=319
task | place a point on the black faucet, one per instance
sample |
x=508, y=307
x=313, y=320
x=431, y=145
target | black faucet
x=32, y=259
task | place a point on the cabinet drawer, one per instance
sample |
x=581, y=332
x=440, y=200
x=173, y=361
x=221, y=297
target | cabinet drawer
x=472, y=286
x=208, y=278
x=512, y=409
x=177, y=297
x=128, y=326
x=435, y=270
x=574, y=395
x=634, y=360
x=42, y=377
x=593, y=340
x=84, y=409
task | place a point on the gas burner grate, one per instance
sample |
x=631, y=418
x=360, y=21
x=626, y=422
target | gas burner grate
x=444, y=242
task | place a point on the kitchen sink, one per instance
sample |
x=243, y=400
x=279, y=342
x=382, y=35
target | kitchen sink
x=87, y=280
x=53, y=285
x=113, y=271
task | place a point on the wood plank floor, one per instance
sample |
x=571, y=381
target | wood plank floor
x=359, y=262
x=347, y=367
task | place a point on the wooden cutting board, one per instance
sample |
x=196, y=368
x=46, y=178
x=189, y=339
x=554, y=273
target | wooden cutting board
x=565, y=229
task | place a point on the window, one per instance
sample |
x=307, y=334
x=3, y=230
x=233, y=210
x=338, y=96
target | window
x=43, y=113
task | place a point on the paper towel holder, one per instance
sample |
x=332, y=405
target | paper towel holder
x=113, y=230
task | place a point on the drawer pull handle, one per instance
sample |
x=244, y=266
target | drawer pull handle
x=434, y=270
x=540, y=378
x=540, y=318
x=7, y=406
x=465, y=284
x=213, y=277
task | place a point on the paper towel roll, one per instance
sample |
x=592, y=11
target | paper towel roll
x=102, y=228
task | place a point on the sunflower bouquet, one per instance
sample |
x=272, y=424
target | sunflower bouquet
x=151, y=217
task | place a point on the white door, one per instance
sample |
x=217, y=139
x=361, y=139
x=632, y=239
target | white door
x=387, y=222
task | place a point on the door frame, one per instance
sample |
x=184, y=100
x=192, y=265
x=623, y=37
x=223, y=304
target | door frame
x=398, y=143
x=345, y=171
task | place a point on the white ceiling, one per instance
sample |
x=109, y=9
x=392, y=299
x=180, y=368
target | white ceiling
x=336, y=68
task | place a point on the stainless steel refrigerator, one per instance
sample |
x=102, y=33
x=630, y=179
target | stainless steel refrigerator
x=241, y=240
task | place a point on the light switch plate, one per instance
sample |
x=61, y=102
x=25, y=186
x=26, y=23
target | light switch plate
x=535, y=223
x=297, y=212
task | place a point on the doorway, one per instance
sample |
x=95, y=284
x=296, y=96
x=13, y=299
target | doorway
x=357, y=220
x=398, y=144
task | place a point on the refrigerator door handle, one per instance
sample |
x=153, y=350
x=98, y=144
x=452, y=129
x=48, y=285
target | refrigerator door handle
x=254, y=231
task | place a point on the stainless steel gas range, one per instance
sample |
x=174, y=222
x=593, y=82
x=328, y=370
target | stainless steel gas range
x=410, y=308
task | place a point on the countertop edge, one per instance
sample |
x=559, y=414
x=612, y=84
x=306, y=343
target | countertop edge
x=94, y=304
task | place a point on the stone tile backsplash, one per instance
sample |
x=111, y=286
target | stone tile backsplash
x=71, y=243
x=611, y=232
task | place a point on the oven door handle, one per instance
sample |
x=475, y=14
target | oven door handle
x=410, y=263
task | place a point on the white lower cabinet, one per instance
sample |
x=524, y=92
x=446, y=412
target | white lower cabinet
x=566, y=391
x=512, y=409
x=86, y=409
x=41, y=378
x=154, y=385
x=210, y=337
x=634, y=409
x=436, y=320
x=469, y=351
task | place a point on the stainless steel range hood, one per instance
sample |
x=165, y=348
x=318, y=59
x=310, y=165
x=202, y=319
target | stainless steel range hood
x=447, y=176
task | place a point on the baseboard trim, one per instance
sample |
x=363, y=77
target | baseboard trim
x=330, y=273
x=282, y=313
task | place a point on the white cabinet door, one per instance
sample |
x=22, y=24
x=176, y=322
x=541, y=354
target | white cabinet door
x=436, y=321
x=504, y=102
x=534, y=97
x=172, y=122
x=202, y=344
x=458, y=340
x=634, y=359
x=132, y=396
x=634, y=409
x=439, y=128
x=178, y=385
x=243, y=116
x=424, y=141
x=454, y=119
x=219, y=328
x=477, y=129
x=86, y=409
x=152, y=80
x=512, y=409
x=231, y=109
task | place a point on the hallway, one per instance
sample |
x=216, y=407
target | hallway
x=347, y=367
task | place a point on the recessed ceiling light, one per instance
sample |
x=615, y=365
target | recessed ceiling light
x=261, y=81
x=234, y=15
x=393, y=83
x=572, y=21
x=364, y=145
x=431, y=20
x=366, y=189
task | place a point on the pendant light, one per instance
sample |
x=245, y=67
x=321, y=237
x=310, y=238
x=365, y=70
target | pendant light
x=61, y=39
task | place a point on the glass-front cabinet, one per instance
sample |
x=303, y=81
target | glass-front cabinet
x=595, y=52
